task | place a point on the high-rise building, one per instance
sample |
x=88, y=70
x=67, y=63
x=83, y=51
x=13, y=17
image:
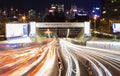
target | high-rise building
x=60, y=8
x=31, y=13
x=74, y=8
x=95, y=12
x=110, y=9
x=56, y=7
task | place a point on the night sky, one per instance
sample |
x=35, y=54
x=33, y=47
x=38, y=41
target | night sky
x=42, y=4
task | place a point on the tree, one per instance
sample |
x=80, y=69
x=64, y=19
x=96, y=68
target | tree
x=55, y=17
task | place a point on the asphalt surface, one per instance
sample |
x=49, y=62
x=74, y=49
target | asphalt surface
x=58, y=58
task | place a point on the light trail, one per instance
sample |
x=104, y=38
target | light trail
x=49, y=60
x=99, y=59
x=47, y=68
x=100, y=65
x=73, y=66
x=25, y=60
x=47, y=64
x=25, y=69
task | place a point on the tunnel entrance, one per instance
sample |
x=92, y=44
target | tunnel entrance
x=76, y=30
x=61, y=32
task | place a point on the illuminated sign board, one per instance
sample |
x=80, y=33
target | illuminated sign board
x=61, y=25
x=116, y=27
x=16, y=29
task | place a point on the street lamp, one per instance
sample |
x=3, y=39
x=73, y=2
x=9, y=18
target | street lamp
x=23, y=18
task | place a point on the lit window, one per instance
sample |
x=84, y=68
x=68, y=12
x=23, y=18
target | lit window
x=104, y=12
x=113, y=1
x=115, y=10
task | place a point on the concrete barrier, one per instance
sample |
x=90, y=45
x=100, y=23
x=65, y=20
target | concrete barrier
x=104, y=45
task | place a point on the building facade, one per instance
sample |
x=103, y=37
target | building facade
x=110, y=9
x=57, y=7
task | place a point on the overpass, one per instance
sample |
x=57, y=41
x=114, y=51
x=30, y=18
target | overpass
x=46, y=29
x=62, y=29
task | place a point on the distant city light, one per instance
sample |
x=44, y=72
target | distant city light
x=51, y=10
x=93, y=11
x=96, y=15
x=67, y=12
x=14, y=16
x=74, y=10
x=24, y=18
x=104, y=12
x=82, y=14
x=97, y=8
x=53, y=7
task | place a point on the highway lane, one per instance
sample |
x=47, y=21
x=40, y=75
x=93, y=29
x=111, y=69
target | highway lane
x=30, y=61
x=19, y=58
x=49, y=68
x=59, y=59
x=98, y=62
x=72, y=65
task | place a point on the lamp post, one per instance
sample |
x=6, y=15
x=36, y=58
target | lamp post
x=95, y=18
x=48, y=32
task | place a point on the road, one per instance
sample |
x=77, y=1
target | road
x=35, y=60
x=96, y=62
x=54, y=57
